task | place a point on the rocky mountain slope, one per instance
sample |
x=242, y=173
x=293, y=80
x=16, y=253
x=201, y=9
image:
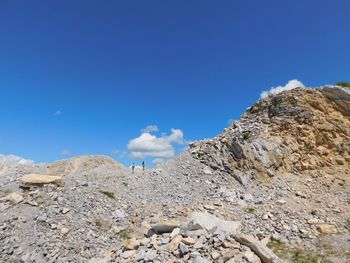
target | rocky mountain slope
x=295, y=131
x=278, y=177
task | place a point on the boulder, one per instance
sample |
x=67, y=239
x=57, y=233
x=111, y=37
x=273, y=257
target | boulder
x=40, y=179
x=162, y=228
x=212, y=223
x=264, y=253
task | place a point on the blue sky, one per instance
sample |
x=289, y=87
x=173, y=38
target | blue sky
x=84, y=77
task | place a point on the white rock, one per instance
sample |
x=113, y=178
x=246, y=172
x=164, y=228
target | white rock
x=211, y=222
x=15, y=198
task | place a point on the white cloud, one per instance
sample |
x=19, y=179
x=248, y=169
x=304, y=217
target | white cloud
x=57, y=113
x=150, y=128
x=148, y=145
x=292, y=84
x=14, y=160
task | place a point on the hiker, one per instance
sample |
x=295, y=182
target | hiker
x=133, y=168
x=143, y=166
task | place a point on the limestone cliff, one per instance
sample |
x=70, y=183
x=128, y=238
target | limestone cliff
x=300, y=130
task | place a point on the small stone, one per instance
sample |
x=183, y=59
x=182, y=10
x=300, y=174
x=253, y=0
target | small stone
x=209, y=207
x=65, y=210
x=327, y=229
x=281, y=201
x=214, y=255
x=198, y=245
x=265, y=217
x=183, y=249
x=200, y=260
x=128, y=253
x=188, y=241
x=249, y=255
x=15, y=198
x=226, y=244
x=65, y=231
x=150, y=255
x=145, y=241
x=174, y=244
x=131, y=244
x=174, y=233
x=207, y=171
x=312, y=221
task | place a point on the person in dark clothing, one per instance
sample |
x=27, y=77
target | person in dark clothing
x=133, y=168
x=143, y=166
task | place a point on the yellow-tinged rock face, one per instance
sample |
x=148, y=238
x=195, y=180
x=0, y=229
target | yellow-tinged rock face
x=39, y=179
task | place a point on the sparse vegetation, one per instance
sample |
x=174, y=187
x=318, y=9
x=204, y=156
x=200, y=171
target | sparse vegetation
x=99, y=223
x=124, y=234
x=125, y=184
x=300, y=256
x=296, y=256
x=278, y=247
x=347, y=224
x=343, y=84
x=250, y=209
x=102, y=224
x=247, y=135
x=109, y=194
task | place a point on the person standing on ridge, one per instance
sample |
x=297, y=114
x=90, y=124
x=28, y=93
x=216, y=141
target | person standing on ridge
x=133, y=168
x=143, y=166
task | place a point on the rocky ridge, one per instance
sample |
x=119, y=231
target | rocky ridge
x=285, y=185
x=296, y=131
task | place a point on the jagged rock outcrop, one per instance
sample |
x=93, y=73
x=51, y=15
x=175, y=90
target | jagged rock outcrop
x=295, y=131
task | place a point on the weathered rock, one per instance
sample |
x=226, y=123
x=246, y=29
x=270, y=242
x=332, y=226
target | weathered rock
x=163, y=228
x=40, y=179
x=212, y=223
x=215, y=255
x=200, y=260
x=65, y=231
x=327, y=229
x=128, y=254
x=15, y=198
x=264, y=253
x=188, y=241
x=174, y=244
x=150, y=255
x=131, y=244
x=183, y=248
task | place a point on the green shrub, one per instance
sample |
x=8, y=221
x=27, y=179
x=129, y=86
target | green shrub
x=303, y=257
x=247, y=135
x=124, y=234
x=99, y=223
x=107, y=193
x=343, y=84
x=250, y=210
x=347, y=224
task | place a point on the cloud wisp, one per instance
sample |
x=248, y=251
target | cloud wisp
x=57, y=113
x=292, y=84
x=149, y=145
x=150, y=128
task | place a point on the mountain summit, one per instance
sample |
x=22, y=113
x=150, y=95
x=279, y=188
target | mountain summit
x=299, y=130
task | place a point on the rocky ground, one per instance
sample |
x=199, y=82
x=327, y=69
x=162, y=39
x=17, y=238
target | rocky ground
x=277, y=178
